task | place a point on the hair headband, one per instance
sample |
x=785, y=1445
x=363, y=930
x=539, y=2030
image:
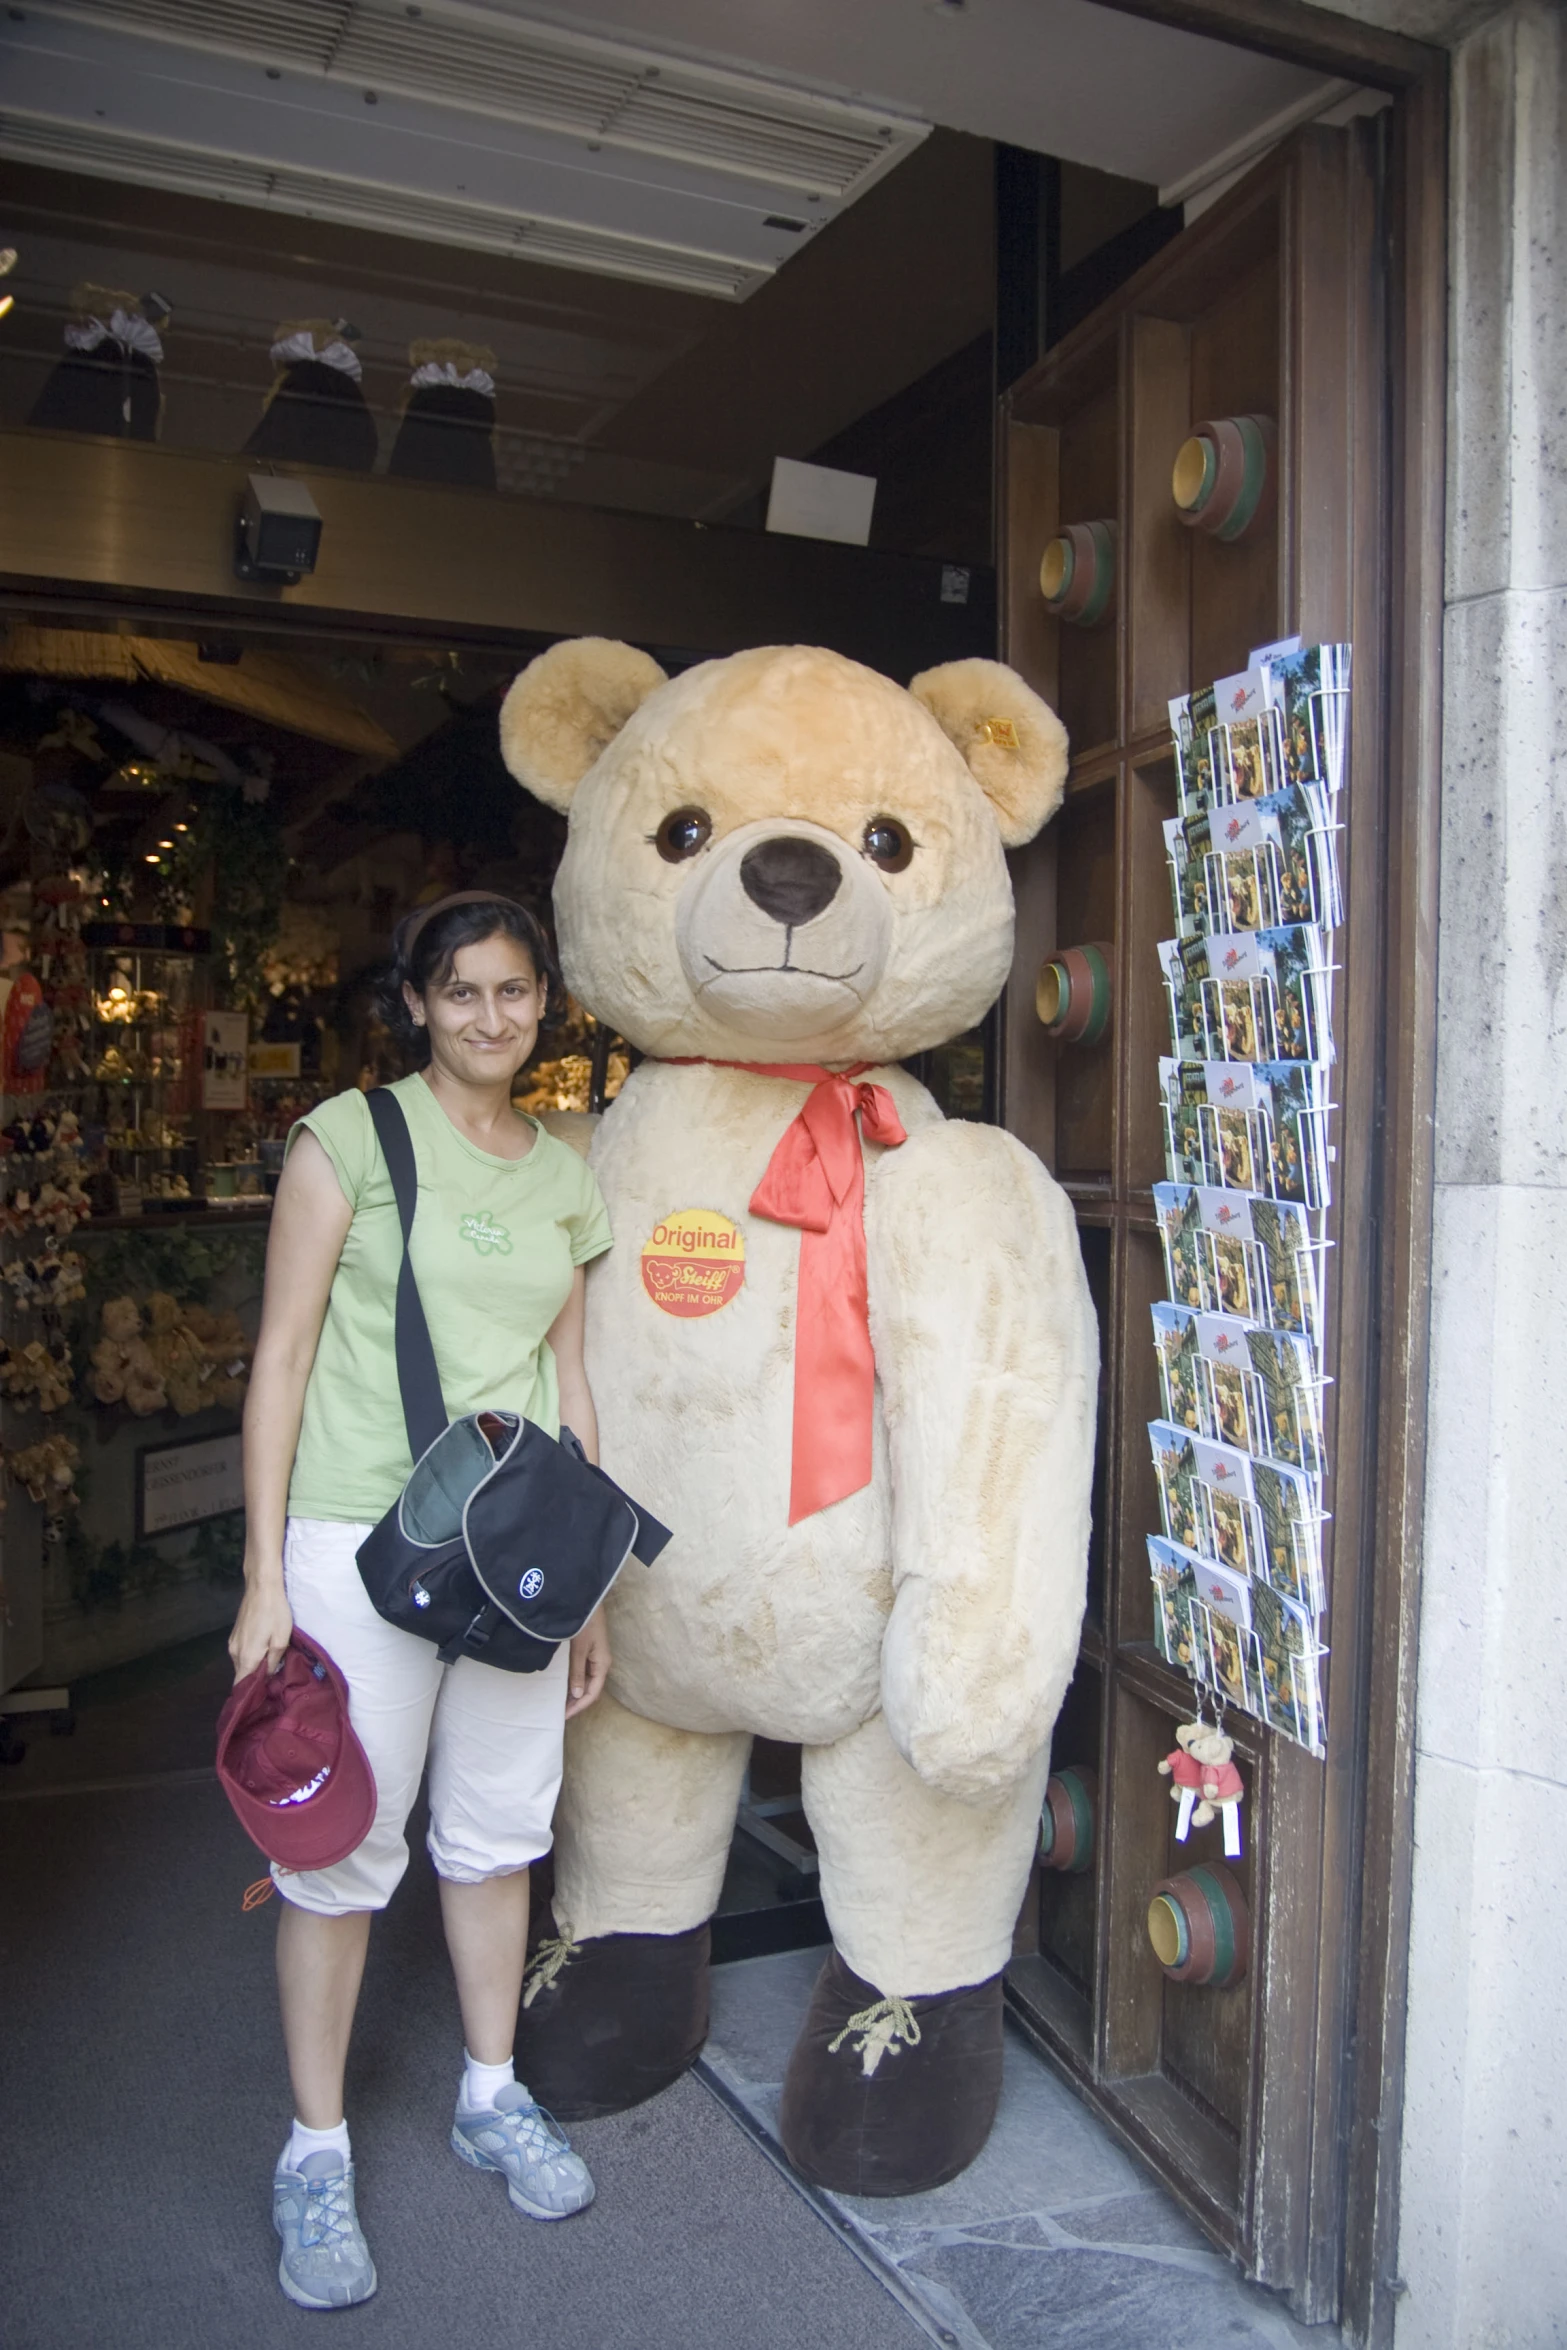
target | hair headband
x=415, y=922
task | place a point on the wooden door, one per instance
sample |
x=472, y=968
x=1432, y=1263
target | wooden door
x=1273, y=303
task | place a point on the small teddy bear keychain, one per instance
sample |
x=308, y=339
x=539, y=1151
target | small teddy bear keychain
x=1203, y=1781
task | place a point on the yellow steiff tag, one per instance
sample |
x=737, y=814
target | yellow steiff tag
x=1001, y=732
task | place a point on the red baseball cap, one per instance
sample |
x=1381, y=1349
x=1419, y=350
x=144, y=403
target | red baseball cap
x=290, y=1762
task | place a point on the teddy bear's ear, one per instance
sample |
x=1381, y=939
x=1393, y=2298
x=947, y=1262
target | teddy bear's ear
x=567, y=707
x=1014, y=743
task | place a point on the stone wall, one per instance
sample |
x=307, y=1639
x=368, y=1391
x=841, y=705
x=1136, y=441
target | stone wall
x=1483, y=2249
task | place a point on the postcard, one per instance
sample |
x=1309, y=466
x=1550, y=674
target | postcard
x=1228, y=1656
x=1175, y=1586
x=1183, y=1090
x=1178, y=1207
x=1192, y=719
x=1175, y=1473
x=1285, y=1667
x=1178, y=1348
x=1248, y=741
x=1292, y=1523
x=1284, y=1235
x=1224, y=1592
x=1311, y=684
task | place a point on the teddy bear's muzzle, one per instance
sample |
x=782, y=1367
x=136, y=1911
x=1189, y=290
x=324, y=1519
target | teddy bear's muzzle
x=783, y=932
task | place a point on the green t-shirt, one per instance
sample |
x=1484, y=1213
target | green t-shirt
x=495, y=1242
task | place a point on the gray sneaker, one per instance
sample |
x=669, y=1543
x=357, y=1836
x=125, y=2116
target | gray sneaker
x=530, y=2149
x=326, y=2262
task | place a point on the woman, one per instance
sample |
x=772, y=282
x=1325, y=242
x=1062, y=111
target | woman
x=507, y=1219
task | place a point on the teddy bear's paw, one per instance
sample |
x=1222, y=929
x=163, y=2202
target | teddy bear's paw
x=886, y=2095
x=612, y=2020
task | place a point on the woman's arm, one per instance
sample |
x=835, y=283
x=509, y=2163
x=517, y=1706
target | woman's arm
x=590, y=1649
x=571, y=1378
x=310, y=1220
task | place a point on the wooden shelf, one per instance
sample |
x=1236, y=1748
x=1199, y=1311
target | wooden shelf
x=1270, y=305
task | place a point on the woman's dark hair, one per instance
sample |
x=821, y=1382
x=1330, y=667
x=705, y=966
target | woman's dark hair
x=425, y=945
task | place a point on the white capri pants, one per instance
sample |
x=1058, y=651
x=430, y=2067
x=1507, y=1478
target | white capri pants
x=492, y=1739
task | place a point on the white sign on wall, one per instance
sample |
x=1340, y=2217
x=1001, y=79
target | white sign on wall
x=180, y=1484
x=225, y=1060
x=820, y=502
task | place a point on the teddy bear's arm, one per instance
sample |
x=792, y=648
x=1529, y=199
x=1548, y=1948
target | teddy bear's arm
x=574, y=1127
x=987, y=1352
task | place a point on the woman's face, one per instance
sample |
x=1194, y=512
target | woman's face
x=483, y=1017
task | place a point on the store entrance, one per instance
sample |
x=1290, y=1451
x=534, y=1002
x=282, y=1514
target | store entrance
x=213, y=820
x=210, y=839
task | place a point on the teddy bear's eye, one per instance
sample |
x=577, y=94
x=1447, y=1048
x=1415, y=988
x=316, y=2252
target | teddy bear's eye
x=887, y=844
x=682, y=833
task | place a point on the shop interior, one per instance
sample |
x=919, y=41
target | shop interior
x=215, y=810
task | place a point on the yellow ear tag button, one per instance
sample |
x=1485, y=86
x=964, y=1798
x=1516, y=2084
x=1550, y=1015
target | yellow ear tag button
x=1001, y=732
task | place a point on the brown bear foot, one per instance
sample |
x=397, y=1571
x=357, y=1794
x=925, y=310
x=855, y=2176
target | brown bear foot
x=890, y=2096
x=609, y=2022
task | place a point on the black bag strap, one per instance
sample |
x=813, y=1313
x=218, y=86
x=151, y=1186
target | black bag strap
x=424, y=1406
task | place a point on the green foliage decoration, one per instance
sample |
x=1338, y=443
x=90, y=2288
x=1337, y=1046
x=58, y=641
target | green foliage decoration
x=249, y=867
x=184, y=1262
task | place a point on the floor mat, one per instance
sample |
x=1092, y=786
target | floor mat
x=1054, y=2236
x=142, y=2079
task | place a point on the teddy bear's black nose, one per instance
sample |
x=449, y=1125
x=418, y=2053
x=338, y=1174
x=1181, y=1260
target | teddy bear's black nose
x=793, y=880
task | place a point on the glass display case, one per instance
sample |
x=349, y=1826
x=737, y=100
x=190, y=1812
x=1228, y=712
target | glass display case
x=138, y=1090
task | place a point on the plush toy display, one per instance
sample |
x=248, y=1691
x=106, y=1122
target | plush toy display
x=316, y=412
x=845, y=1349
x=183, y=1356
x=448, y=429
x=107, y=379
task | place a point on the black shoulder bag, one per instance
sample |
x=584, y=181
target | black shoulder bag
x=503, y=1541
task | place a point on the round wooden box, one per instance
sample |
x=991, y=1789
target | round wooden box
x=1066, y=1824
x=1072, y=993
x=1077, y=572
x=1200, y=1928
x=1225, y=477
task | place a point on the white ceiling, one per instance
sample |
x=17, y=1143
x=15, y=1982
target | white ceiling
x=693, y=143
x=445, y=121
x=1059, y=76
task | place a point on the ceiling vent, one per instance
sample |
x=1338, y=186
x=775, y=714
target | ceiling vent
x=281, y=188
x=543, y=76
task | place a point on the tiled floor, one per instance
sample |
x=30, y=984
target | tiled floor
x=1054, y=2239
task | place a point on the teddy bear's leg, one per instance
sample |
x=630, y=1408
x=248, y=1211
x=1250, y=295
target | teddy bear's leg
x=615, y=2007
x=894, y=2079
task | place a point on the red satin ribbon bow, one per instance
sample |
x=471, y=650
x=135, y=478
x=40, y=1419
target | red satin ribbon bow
x=816, y=1179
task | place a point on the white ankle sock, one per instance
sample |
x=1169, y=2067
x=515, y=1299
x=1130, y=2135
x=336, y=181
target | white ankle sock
x=480, y=2082
x=303, y=2140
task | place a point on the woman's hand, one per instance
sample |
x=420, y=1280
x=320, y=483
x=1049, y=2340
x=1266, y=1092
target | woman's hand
x=261, y=1628
x=589, y=1665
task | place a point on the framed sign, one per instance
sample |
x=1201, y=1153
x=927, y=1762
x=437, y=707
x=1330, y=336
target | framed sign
x=225, y=1060
x=181, y=1484
x=274, y=1060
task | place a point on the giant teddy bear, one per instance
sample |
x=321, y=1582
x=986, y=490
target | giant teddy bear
x=844, y=1348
